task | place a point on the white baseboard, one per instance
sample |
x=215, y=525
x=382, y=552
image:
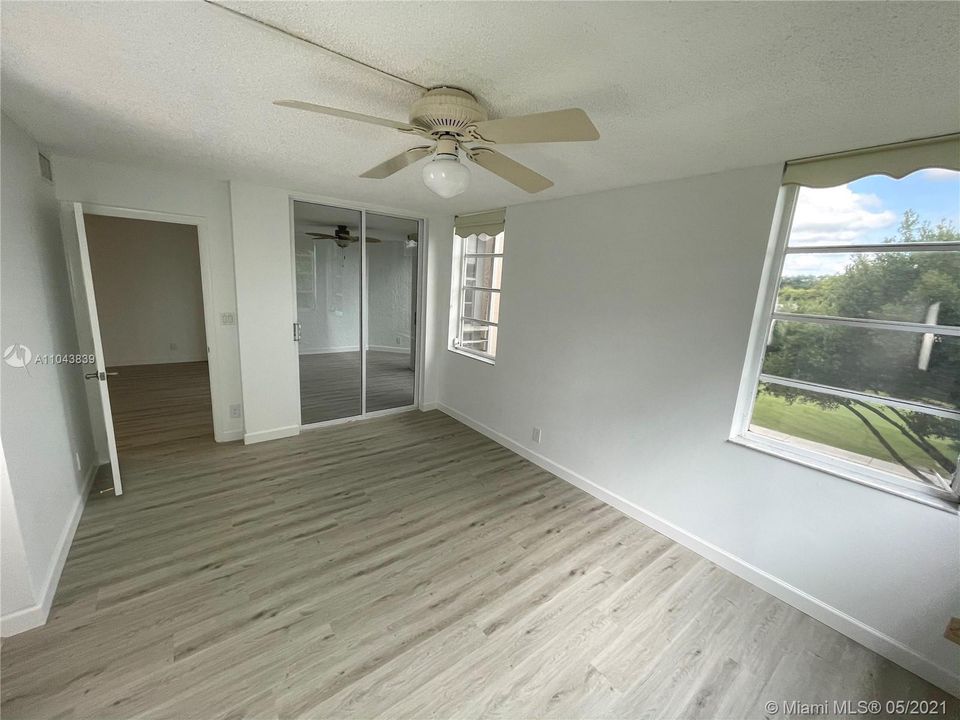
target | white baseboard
x=133, y=362
x=427, y=407
x=868, y=636
x=228, y=436
x=355, y=348
x=36, y=615
x=272, y=434
x=329, y=350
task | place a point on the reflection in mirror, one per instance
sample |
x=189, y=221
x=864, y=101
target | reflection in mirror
x=392, y=247
x=327, y=270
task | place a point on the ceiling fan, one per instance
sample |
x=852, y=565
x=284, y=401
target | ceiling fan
x=341, y=236
x=453, y=121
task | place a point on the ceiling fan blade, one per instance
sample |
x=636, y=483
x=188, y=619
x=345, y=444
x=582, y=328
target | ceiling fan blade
x=336, y=112
x=356, y=238
x=321, y=236
x=510, y=170
x=572, y=125
x=398, y=162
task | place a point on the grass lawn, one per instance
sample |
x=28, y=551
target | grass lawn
x=839, y=428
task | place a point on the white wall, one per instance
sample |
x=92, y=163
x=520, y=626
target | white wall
x=264, y=277
x=146, y=276
x=436, y=261
x=624, y=323
x=44, y=425
x=17, y=593
x=208, y=200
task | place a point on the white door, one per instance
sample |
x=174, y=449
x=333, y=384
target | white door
x=91, y=343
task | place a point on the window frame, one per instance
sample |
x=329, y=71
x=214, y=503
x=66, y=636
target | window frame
x=456, y=341
x=765, y=312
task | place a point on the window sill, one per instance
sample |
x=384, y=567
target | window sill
x=879, y=480
x=472, y=356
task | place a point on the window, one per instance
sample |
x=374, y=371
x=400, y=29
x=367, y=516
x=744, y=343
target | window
x=854, y=365
x=479, y=257
x=306, y=274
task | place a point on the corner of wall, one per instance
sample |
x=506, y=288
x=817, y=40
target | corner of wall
x=35, y=615
x=870, y=637
x=48, y=439
x=439, y=242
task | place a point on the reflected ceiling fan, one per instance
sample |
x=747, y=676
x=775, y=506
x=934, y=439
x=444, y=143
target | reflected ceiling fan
x=453, y=121
x=341, y=236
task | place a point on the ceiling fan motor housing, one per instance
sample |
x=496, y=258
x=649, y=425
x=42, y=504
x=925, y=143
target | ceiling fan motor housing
x=447, y=111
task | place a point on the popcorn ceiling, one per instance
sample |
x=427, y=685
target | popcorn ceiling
x=676, y=89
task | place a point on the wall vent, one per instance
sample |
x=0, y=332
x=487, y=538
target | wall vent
x=46, y=170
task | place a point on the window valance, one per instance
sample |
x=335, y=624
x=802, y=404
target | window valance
x=489, y=222
x=896, y=161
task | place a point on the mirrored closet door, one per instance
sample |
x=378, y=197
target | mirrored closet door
x=327, y=269
x=356, y=284
x=392, y=249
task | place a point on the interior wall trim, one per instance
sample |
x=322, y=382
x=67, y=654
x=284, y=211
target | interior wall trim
x=866, y=635
x=220, y=413
x=356, y=348
x=36, y=615
x=228, y=436
x=272, y=434
x=331, y=350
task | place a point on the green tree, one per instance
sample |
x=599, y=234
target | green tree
x=885, y=286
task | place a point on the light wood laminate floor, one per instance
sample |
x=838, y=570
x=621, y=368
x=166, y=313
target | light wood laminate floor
x=403, y=567
x=157, y=404
x=330, y=384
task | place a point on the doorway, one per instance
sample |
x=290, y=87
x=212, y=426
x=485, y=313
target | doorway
x=155, y=403
x=356, y=278
x=149, y=296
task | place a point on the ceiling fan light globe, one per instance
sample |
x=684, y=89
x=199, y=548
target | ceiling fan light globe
x=446, y=176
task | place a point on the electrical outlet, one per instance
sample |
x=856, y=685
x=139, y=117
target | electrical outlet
x=236, y=411
x=536, y=435
x=228, y=318
x=173, y=346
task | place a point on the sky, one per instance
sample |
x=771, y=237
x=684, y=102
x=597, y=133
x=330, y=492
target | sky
x=866, y=211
